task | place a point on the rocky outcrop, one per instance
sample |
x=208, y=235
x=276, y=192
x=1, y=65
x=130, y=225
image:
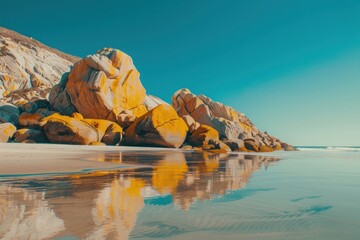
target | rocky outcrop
x=100, y=86
x=27, y=64
x=229, y=123
x=159, y=127
x=96, y=99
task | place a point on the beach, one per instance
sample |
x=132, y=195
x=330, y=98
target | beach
x=142, y=193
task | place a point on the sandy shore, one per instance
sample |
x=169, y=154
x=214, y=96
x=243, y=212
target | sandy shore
x=32, y=159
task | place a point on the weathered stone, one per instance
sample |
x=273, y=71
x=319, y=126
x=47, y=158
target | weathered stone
x=236, y=145
x=224, y=119
x=159, y=127
x=33, y=135
x=109, y=132
x=203, y=136
x=229, y=123
x=30, y=120
x=64, y=129
x=26, y=64
x=100, y=86
x=9, y=113
x=251, y=145
x=7, y=130
x=151, y=102
x=191, y=123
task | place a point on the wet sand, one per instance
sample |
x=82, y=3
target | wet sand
x=34, y=159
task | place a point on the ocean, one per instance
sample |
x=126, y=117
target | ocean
x=312, y=193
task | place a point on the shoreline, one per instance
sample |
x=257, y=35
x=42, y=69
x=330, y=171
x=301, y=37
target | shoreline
x=19, y=160
x=28, y=160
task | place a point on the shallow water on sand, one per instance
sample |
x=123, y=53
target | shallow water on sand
x=185, y=195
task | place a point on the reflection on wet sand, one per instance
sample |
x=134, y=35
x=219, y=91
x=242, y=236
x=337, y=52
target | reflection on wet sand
x=105, y=205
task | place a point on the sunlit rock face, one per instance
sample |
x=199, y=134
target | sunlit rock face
x=159, y=127
x=7, y=130
x=100, y=86
x=27, y=216
x=77, y=130
x=27, y=64
x=229, y=123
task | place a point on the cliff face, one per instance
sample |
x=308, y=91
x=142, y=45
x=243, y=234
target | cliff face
x=27, y=64
x=50, y=96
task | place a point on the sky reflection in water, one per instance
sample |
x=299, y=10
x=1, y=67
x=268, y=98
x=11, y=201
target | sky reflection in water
x=306, y=195
x=106, y=204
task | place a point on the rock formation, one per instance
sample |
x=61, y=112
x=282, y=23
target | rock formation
x=231, y=125
x=28, y=64
x=47, y=96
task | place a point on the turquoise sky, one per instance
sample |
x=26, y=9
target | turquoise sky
x=293, y=67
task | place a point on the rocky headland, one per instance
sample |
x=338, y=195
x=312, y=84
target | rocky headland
x=47, y=96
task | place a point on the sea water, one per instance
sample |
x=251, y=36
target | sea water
x=313, y=193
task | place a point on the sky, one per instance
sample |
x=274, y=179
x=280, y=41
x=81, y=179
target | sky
x=293, y=67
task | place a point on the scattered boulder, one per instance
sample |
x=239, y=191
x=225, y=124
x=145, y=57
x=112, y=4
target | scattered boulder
x=30, y=120
x=9, y=113
x=100, y=86
x=7, y=130
x=25, y=135
x=236, y=145
x=251, y=144
x=161, y=126
x=64, y=129
x=204, y=135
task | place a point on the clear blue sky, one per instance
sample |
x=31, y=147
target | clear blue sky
x=293, y=67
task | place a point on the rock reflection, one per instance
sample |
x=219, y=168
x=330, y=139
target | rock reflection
x=105, y=205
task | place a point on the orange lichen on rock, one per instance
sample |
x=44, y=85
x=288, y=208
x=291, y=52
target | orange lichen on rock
x=64, y=129
x=203, y=135
x=100, y=86
x=159, y=127
x=7, y=130
x=30, y=120
x=109, y=132
x=264, y=148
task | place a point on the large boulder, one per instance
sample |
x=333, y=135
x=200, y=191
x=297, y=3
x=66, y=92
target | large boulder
x=9, y=113
x=64, y=129
x=7, y=130
x=100, y=86
x=159, y=127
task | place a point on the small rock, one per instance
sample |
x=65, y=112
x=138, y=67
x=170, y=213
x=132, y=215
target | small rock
x=7, y=131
